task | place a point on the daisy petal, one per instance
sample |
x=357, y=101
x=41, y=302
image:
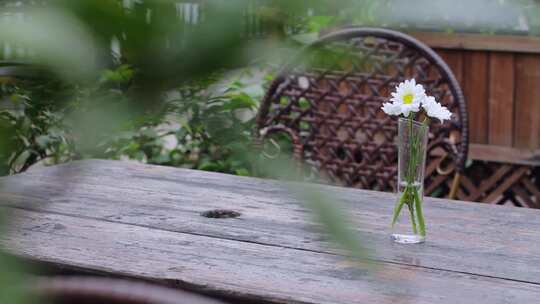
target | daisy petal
x=391, y=108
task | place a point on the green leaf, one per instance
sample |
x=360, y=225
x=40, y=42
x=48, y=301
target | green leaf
x=305, y=38
x=317, y=23
x=140, y=156
x=43, y=141
x=149, y=133
x=303, y=103
x=242, y=172
x=58, y=39
x=333, y=219
x=208, y=165
x=161, y=159
x=239, y=101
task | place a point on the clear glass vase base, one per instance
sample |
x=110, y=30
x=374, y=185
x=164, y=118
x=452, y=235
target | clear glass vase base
x=408, y=238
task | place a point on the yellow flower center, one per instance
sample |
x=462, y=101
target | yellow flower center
x=408, y=98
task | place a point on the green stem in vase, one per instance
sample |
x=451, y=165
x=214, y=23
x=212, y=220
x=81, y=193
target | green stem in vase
x=399, y=206
x=417, y=198
x=410, y=172
x=419, y=212
x=411, y=211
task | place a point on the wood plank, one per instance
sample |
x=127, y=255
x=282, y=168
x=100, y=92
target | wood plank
x=480, y=42
x=527, y=117
x=461, y=236
x=504, y=154
x=431, y=166
x=524, y=196
x=454, y=59
x=439, y=179
x=531, y=187
x=467, y=184
x=243, y=270
x=501, y=99
x=475, y=89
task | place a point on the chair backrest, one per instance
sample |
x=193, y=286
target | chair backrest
x=82, y=290
x=327, y=101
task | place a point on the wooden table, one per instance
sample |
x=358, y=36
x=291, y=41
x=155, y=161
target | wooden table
x=142, y=221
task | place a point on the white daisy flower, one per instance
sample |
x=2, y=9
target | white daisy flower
x=435, y=109
x=391, y=108
x=408, y=96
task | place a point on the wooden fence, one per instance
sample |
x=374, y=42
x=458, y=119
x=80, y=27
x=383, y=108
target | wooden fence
x=500, y=77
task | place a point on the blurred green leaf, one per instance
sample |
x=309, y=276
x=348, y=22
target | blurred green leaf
x=58, y=40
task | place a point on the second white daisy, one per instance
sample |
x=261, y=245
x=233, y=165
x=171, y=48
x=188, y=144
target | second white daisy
x=435, y=109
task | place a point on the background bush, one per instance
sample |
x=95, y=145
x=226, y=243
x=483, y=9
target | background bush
x=205, y=124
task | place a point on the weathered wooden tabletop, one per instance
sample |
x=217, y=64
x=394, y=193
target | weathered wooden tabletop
x=142, y=221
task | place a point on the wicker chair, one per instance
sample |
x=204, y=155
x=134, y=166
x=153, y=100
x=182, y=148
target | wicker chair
x=327, y=102
x=82, y=290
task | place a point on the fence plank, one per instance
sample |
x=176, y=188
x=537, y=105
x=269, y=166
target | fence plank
x=527, y=116
x=501, y=98
x=454, y=59
x=475, y=87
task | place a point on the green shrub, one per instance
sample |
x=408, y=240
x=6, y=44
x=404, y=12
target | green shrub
x=205, y=124
x=204, y=127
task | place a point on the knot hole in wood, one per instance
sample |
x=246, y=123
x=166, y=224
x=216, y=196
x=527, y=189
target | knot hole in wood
x=220, y=213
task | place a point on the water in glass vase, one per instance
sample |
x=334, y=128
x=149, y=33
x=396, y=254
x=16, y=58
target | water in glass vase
x=406, y=229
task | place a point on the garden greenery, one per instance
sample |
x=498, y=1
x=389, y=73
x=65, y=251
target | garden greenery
x=204, y=124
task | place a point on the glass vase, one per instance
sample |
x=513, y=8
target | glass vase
x=408, y=224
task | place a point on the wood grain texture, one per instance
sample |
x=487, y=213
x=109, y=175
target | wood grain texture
x=508, y=155
x=144, y=221
x=501, y=99
x=172, y=199
x=454, y=59
x=502, y=95
x=263, y=274
x=475, y=89
x=527, y=116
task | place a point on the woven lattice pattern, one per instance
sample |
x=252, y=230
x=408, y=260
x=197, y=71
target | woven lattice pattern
x=328, y=102
x=501, y=183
